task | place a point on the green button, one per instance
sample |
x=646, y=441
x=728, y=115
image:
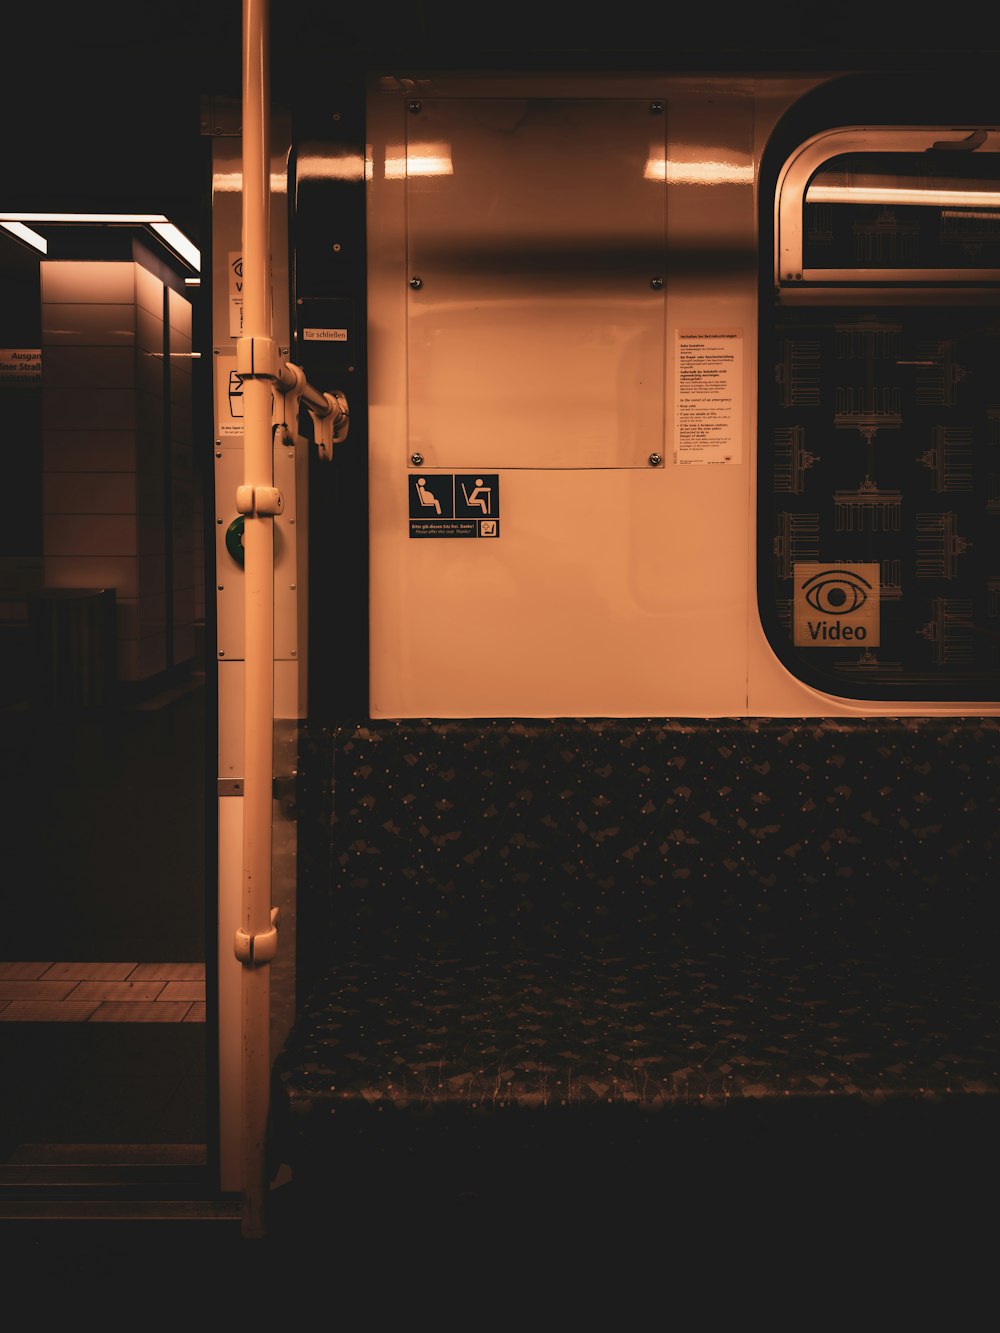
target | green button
x=234, y=539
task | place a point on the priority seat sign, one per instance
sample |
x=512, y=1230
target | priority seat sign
x=454, y=504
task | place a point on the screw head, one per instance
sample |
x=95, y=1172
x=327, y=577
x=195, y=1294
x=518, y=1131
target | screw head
x=414, y=107
x=416, y=283
x=417, y=460
x=655, y=460
x=656, y=283
x=656, y=108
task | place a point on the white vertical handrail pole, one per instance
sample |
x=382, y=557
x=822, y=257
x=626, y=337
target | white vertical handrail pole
x=257, y=363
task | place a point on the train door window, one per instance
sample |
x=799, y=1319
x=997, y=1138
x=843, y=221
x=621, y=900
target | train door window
x=879, y=481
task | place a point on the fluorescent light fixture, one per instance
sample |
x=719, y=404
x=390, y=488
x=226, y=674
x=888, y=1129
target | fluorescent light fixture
x=86, y=217
x=25, y=234
x=158, y=222
x=889, y=194
x=178, y=242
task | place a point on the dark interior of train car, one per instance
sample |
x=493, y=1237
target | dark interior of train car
x=628, y=933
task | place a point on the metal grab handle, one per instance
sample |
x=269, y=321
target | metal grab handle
x=329, y=412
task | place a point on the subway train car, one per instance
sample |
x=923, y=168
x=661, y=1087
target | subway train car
x=674, y=784
x=602, y=609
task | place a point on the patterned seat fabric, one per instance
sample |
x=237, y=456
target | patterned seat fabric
x=644, y=915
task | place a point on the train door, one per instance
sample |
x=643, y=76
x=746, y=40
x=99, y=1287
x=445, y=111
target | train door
x=290, y=582
x=303, y=425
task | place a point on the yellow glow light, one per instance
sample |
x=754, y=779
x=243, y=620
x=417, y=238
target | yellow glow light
x=889, y=194
x=419, y=159
x=176, y=239
x=157, y=222
x=25, y=234
x=331, y=166
x=705, y=172
x=231, y=182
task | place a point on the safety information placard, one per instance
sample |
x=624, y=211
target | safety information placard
x=228, y=396
x=454, y=504
x=708, y=396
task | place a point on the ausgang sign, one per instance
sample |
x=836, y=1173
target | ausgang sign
x=20, y=365
x=836, y=605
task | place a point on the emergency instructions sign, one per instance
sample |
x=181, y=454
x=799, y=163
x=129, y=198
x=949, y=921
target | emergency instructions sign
x=708, y=393
x=836, y=605
x=454, y=504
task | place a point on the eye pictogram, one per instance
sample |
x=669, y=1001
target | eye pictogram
x=836, y=592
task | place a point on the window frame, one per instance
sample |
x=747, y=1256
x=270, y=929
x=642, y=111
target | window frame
x=870, y=289
x=791, y=197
